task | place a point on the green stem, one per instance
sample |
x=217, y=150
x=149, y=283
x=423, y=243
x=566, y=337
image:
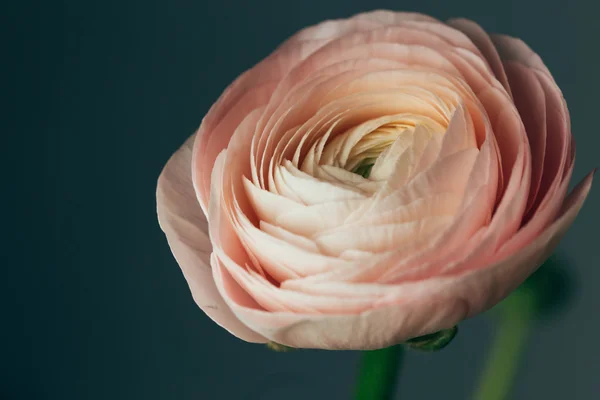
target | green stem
x=378, y=372
x=516, y=318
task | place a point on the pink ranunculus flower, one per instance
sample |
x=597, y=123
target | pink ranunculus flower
x=374, y=179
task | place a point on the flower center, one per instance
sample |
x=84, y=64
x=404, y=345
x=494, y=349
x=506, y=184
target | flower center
x=365, y=153
x=373, y=149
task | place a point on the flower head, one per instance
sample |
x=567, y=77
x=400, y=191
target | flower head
x=375, y=179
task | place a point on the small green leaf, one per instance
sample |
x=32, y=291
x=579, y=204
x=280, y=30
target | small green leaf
x=434, y=341
x=279, y=347
x=364, y=170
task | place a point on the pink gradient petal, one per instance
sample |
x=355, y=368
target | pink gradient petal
x=387, y=17
x=531, y=104
x=511, y=48
x=485, y=44
x=557, y=152
x=332, y=29
x=186, y=228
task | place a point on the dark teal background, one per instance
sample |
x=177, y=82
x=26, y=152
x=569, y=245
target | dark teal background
x=97, y=97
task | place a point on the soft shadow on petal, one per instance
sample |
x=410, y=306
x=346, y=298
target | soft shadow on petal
x=531, y=104
x=185, y=226
x=511, y=48
x=485, y=44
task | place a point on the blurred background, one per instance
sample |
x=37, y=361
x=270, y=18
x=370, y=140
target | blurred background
x=100, y=94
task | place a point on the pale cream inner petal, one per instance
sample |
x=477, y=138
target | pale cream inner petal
x=356, y=168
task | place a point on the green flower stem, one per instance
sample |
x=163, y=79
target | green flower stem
x=515, y=323
x=378, y=372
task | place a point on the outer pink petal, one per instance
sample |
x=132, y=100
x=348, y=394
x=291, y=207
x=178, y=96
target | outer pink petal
x=387, y=17
x=511, y=48
x=531, y=103
x=185, y=226
x=559, y=150
x=483, y=41
x=360, y=22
